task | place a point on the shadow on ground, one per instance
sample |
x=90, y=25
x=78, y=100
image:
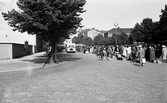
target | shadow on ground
x=62, y=57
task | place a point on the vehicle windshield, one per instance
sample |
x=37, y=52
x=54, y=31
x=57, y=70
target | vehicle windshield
x=71, y=46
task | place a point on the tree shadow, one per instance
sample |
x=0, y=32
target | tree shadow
x=62, y=57
x=136, y=64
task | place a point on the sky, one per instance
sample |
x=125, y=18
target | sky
x=7, y=5
x=103, y=14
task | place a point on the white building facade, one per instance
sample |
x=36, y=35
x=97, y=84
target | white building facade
x=93, y=33
x=12, y=42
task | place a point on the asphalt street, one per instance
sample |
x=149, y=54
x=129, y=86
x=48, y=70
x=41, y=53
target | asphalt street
x=82, y=78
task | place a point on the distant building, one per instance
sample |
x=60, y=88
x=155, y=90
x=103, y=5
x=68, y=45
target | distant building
x=117, y=31
x=67, y=41
x=92, y=33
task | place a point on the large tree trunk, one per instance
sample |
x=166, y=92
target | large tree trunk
x=52, y=58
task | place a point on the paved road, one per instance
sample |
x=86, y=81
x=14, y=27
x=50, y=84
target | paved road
x=81, y=78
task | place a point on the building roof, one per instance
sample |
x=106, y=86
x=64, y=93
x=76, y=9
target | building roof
x=119, y=30
x=102, y=31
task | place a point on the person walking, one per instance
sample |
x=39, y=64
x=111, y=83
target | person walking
x=152, y=53
x=105, y=51
x=141, y=55
x=101, y=52
x=147, y=54
x=164, y=53
x=128, y=51
x=84, y=49
x=133, y=53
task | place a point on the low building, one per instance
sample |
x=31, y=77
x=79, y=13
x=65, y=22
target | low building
x=117, y=31
x=92, y=33
x=13, y=43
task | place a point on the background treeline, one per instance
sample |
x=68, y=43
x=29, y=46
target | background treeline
x=147, y=31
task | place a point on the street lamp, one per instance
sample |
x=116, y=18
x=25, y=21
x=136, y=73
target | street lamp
x=116, y=26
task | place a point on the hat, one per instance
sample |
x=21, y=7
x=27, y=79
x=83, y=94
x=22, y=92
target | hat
x=163, y=46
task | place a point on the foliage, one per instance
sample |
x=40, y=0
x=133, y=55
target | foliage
x=136, y=34
x=147, y=28
x=82, y=39
x=89, y=41
x=99, y=40
x=119, y=39
x=156, y=33
x=110, y=41
x=163, y=24
x=142, y=32
x=74, y=39
x=149, y=31
x=53, y=20
x=123, y=39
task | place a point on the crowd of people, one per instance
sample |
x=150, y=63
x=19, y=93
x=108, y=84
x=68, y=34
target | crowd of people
x=137, y=53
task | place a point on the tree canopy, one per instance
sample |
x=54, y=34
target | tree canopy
x=143, y=32
x=151, y=32
x=82, y=38
x=51, y=19
x=99, y=40
x=163, y=24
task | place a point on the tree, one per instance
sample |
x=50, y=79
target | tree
x=123, y=39
x=163, y=24
x=88, y=41
x=74, y=39
x=80, y=39
x=147, y=30
x=110, y=41
x=99, y=40
x=136, y=34
x=115, y=38
x=143, y=32
x=156, y=33
x=53, y=20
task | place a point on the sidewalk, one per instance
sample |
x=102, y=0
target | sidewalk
x=29, y=62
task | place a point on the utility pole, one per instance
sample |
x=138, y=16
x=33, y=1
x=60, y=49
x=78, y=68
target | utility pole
x=116, y=26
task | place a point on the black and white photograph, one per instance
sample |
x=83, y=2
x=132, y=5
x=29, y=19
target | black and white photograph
x=83, y=51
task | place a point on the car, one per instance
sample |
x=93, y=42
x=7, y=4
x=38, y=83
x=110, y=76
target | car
x=71, y=48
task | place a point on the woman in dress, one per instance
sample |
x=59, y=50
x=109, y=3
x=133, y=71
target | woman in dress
x=141, y=54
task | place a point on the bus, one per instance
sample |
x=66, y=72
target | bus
x=71, y=48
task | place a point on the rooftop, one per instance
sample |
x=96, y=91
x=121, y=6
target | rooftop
x=119, y=30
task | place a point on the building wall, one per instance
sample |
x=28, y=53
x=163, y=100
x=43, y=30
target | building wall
x=18, y=50
x=93, y=33
x=7, y=35
x=6, y=51
x=118, y=31
x=110, y=34
x=10, y=51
